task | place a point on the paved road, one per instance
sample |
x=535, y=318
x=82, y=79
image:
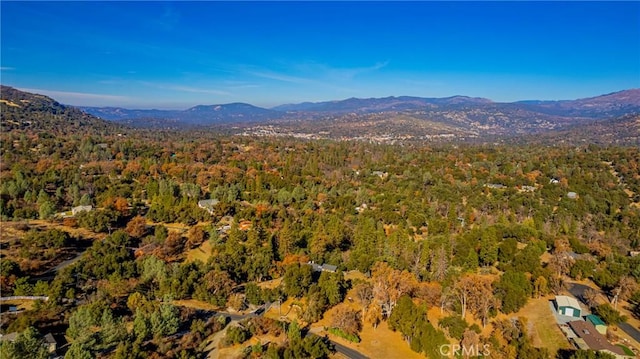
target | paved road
x=577, y=290
x=631, y=330
x=342, y=349
x=66, y=263
x=348, y=352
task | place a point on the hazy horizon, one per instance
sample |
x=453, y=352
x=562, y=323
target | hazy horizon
x=163, y=55
x=54, y=95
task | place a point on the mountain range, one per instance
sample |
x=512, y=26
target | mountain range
x=609, y=118
x=480, y=109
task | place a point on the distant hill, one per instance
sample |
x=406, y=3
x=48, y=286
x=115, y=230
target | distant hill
x=32, y=112
x=385, y=104
x=602, y=119
x=610, y=105
x=624, y=130
x=610, y=118
x=201, y=115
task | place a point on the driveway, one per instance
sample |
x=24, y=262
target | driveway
x=631, y=330
x=577, y=290
x=348, y=352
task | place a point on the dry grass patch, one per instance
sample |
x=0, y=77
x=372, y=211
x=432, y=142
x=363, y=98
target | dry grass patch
x=270, y=284
x=201, y=253
x=195, y=304
x=355, y=275
x=382, y=342
x=290, y=310
x=542, y=325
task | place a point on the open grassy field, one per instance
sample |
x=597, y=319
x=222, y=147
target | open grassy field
x=195, y=304
x=201, y=253
x=544, y=330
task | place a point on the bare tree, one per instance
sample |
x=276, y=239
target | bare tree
x=470, y=339
x=590, y=297
x=439, y=264
x=623, y=290
x=463, y=290
x=364, y=296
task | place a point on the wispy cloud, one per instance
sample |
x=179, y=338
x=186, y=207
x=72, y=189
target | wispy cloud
x=5, y=68
x=347, y=73
x=183, y=88
x=266, y=74
x=313, y=73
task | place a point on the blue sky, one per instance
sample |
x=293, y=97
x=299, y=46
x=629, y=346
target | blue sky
x=179, y=54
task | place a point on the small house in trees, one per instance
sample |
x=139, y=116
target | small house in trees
x=78, y=209
x=329, y=268
x=495, y=186
x=208, y=204
x=11, y=337
x=598, y=323
x=50, y=342
x=380, y=174
x=568, y=306
x=323, y=268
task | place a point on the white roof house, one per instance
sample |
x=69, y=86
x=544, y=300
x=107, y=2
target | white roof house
x=208, y=204
x=78, y=209
x=568, y=306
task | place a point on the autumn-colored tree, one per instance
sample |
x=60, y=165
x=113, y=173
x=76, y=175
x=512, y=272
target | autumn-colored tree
x=218, y=285
x=121, y=205
x=390, y=284
x=429, y=292
x=540, y=287
x=346, y=319
x=470, y=340
x=373, y=315
x=237, y=302
x=172, y=248
x=137, y=227
x=195, y=237
x=465, y=291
